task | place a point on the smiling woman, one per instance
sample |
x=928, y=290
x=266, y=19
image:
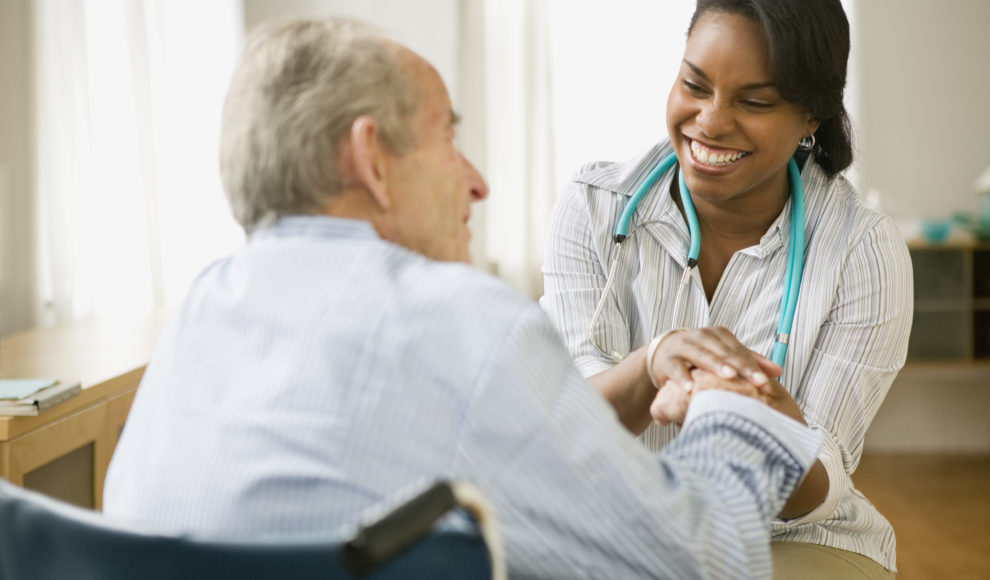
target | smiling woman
x=757, y=137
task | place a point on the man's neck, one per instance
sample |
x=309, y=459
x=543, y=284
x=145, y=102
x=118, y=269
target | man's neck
x=354, y=203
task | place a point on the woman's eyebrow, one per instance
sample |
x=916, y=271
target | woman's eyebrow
x=748, y=87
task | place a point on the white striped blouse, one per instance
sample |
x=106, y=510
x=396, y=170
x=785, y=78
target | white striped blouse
x=850, y=332
x=321, y=371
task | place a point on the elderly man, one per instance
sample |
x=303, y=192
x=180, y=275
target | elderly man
x=344, y=354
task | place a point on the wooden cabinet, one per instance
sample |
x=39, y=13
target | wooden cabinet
x=951, y=303
x=64, y=451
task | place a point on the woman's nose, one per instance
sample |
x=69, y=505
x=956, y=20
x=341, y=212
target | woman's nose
x=715, y=118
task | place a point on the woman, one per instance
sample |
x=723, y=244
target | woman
x=761, y=83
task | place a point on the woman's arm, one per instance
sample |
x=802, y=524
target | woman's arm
x=814, y=488
x=856, y=355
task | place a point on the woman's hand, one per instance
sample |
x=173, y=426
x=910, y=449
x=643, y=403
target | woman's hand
x=712, y=349
x=671, y=403
x=631, y=386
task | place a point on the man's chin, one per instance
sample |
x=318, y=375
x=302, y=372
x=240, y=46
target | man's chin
x=463, y=256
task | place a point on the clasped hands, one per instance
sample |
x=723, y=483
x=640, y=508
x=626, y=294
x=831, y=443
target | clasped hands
x=690, y=361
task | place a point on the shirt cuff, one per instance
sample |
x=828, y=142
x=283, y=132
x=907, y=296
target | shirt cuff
x=803, y=443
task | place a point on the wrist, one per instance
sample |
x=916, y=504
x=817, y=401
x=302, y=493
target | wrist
x=651, y=353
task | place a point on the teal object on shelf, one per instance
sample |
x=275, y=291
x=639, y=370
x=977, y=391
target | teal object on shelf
x=935, y=231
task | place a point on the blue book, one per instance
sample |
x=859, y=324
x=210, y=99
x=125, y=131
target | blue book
x=40, y=399
x=14, y=389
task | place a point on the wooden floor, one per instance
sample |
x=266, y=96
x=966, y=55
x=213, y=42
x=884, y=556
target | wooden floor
x=940, y=508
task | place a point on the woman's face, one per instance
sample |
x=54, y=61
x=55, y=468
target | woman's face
x=732, y=132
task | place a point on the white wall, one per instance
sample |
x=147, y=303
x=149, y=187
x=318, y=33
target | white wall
x=924, y=75
x=934, y=408
x=429, y=27
x=17, y=234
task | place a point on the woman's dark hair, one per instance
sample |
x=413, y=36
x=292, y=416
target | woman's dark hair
x=808, y=44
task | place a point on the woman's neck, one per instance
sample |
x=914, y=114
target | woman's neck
x=739, y=220
x=731, y=225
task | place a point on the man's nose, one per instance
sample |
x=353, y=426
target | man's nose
x=476, y=183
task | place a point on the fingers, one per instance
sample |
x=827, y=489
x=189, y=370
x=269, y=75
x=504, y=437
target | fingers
x=739, y=358
x=715, y=350
x=670, y=405
x=704, y=380
x=680, y=375
x=771, y=368
x=672, y=401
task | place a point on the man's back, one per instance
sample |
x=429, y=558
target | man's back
x=290, y=361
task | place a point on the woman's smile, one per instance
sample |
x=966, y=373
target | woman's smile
x=714, y=156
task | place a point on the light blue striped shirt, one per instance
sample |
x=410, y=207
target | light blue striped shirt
x=850, y=332
x=321, y=370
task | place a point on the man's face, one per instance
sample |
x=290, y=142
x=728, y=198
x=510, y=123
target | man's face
x=433, y=184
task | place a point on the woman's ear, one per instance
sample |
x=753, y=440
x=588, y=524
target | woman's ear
x=368, y=159
x=812, y=125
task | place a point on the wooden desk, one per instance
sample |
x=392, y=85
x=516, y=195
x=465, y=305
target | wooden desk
x=108, y=357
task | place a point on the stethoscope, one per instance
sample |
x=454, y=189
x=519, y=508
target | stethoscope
x=795, y=253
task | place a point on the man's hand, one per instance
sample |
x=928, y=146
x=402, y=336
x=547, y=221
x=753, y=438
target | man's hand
x=671, y=403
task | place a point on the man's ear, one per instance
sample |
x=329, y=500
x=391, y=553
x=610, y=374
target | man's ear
x=368, y=159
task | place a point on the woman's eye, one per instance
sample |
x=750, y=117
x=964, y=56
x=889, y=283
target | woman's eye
x=694, y=88
x=757, y=104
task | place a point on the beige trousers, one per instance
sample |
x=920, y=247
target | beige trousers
x=796, y=560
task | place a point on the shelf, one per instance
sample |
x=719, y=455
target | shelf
x=981, y=335
x=981, y=274
x=951, y=304
x=930, y=305
x=941, y=336
x=939, y=275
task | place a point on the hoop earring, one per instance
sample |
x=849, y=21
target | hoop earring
x=807, y=143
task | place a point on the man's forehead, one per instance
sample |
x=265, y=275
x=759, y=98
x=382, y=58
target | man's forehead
x=435, y=105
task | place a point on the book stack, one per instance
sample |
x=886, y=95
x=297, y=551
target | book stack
x=32, y=396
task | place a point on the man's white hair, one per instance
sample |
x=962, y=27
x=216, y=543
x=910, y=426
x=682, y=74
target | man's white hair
x=296, y=91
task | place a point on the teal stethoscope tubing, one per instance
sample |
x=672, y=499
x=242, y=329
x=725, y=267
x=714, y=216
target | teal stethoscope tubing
x=795, y=251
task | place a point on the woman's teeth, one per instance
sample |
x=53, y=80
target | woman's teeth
x=702, y=154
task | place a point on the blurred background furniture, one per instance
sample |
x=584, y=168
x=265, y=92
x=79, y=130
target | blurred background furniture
x=951, y=303
x=64, y=451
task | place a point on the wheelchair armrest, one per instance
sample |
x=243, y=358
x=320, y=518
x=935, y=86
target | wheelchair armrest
x=378, y=542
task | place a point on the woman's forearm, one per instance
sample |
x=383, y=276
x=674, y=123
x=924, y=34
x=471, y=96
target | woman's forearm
x=809, y=495
x=627, y=388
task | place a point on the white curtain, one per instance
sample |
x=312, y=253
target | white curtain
x=129, y=94
x=565, y=82
x=517, y=150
